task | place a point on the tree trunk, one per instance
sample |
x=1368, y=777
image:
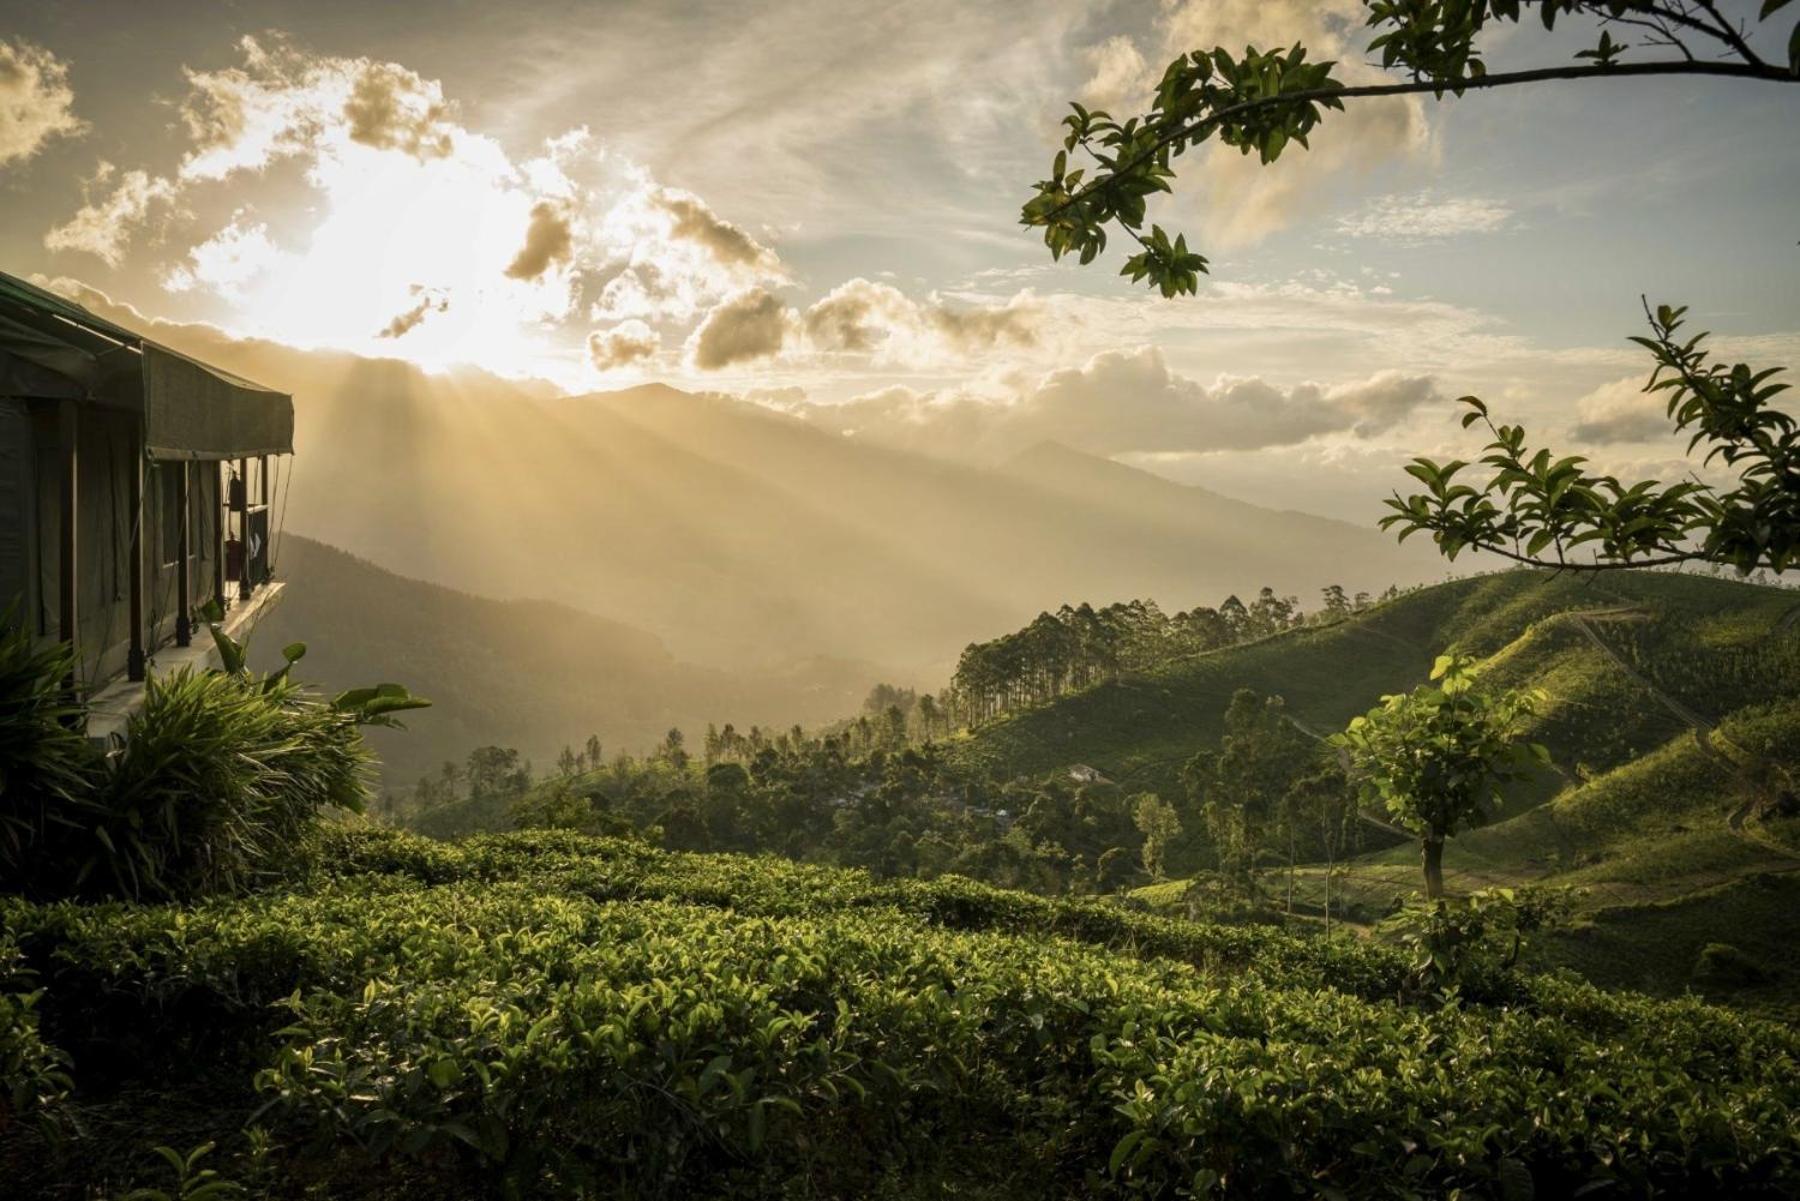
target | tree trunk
x=1434, y=868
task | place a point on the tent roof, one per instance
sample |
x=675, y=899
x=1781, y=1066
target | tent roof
x=192, y=410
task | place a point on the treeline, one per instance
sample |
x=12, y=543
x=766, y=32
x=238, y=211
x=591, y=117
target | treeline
x=1075, y=648
x=873, y=794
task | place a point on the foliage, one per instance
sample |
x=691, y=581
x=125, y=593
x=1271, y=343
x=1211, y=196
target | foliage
x=1435, y=757
x=1721, y=964
x=1079, y=647
x=46, y=763
x=222, y=775
x=1263, y=102
x=192, y=1182
x=34, y=1076
x=1454, y=944
x=1157, y=820
x=217, y=781
x=1533, y=502
x=554, y=1016
x=1244, y=787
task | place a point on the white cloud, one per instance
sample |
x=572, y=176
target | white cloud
x=1424, y=217
x=228, y=261
x=35, y=100
x=623, y=344
x=1621, y=411
x=1121, y=78
x=1123, y=402
x=104, y=227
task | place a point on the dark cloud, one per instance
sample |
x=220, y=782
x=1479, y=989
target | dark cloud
x=728, y=244
x=430, y=301
x=548, y=239
x=862, y=316
x=751, y=325
x=392, y=108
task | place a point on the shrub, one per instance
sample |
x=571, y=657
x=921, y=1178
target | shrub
x=1722, y=965
x=46, y=763
x=565, y=1016
x=220, y=780
x=34, y=1076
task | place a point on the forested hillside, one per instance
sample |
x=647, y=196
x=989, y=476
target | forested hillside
x=529, y=674
x=1672, y=723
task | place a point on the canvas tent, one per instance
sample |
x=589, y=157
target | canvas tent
x=134, y=483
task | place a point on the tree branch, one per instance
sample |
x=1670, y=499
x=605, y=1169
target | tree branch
x=1204, y=126
x=1722, y=29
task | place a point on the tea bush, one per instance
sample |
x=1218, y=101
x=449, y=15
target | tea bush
x=553, y=1015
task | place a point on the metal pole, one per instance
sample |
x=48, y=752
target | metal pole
x=67, y=612
x=218, y=535
x=243, y=510
x=184, y=585
x=134, y=662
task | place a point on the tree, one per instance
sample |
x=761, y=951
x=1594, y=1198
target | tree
x=1158, y=822
x=495, y=774
x=1536, y=507
x=1241, y=787
x=1437, y=756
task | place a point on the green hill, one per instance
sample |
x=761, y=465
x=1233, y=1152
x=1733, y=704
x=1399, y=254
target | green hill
x=1673, y=720
x=550, y=1015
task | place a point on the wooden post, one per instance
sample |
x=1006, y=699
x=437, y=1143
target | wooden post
x=184, y=585
x=134, y=661
x=220, y=493
x=243, y=511
x=67, y=612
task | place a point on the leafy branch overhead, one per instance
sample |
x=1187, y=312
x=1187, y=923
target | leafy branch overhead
x=1541, y=509
x=1263, y=102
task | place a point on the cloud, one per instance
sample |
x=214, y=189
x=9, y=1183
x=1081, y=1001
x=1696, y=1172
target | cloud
x=430, y=301
x=1621, y=411
x=1241, y=201
x=673, y=258
x=623, y=344
x=1423, y=217
x=228, y=261
x=104, y=227
x=548, y=239
x=392, y=108
x=751, y=325
x=728, y=244
x=35, y=101
x=1121, y=78
x=1125, y=402
x=284, y=102
x=865, y=317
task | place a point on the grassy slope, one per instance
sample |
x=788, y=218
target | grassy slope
x=1649, y=821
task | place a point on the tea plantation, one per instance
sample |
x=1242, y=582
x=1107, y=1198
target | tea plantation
x=562, y=1016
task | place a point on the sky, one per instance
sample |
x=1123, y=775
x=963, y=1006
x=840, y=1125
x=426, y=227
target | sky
x=813, y=205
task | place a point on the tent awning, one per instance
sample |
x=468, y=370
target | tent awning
x=51, y=347
x=192, y=411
